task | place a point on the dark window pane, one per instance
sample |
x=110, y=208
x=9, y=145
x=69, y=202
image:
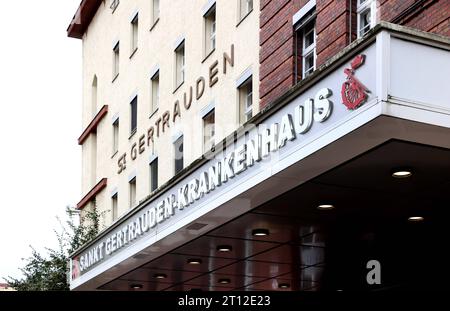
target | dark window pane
x=154, y=175
x=179, y=161
x=133, y=114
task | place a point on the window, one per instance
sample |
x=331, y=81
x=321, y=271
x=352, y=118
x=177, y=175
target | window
x=366, y=16
x=94, y=97
x=134, y=34
x=155, y=10
x=210, y=30
x=180, y=63
x=245, y=101
x=305, y=45
x=154, y=175
x=116, y=54
x=308, y=49
x=133, y=192
x=179, y=161
x=116, y=136
x=114, y=5
x=133, y=115
x=114, y=207
x=245, y=7
x=155, y=92
x=208, y=131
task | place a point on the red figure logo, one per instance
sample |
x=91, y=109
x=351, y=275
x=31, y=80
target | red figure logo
x=353, y=92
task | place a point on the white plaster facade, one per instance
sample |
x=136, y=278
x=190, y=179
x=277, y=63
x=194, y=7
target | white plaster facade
x=156, y=45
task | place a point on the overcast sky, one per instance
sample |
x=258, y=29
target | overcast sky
x=40, y=100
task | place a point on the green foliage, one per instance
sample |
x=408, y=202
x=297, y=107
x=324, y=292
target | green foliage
x=49, y=273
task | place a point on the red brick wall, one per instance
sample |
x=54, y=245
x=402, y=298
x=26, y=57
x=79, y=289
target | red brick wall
x=431, y=15
x=277, y=48
x=277, y=40
x=332, y=28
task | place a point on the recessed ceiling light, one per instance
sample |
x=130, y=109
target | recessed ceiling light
x=224, y=281
x=194, y=261
x=224, y=248
x=260, y=232
x=325, y=207
x=283, y=285
x=160, y=276
x=136, y=286
x=415, y=218
x=402, y=173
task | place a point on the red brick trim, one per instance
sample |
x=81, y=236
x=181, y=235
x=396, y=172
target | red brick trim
x=91, y=194
x=92, y=127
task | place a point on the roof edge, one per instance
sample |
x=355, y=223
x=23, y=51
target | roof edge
x=82, y=18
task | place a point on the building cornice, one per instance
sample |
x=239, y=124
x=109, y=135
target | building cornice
x=82, y=18
x=92, y=127
x=91, y=194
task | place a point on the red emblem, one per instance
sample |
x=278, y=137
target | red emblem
x=353, y=92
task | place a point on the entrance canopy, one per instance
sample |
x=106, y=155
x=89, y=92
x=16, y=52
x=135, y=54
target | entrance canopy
x=309, y=182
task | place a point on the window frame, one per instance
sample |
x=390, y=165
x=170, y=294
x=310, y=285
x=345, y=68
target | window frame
x=244, y=108
x=241, y=14
x=362, y=6
x=132, y=185
x=155, y=99
x=301, y=54
x=116, y=60
x=115, y=207
x=155, y=17
x=209, y=145
x=176, y=145
x=180, y=67
x=135, y=115
x=311, y=49
x=210, y=31
x=114, y=4
x=134, y=34
x=153, y=176
x=116, y=133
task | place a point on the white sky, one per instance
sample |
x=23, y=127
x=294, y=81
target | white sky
x=40, y=121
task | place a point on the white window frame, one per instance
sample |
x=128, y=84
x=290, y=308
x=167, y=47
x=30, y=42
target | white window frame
x=362, y=7
x=152, y=162
x=114, y=4
x=180, y=68
x=134, y=34
x=248, y=8
x=208, y=145
x=155, y=12
x=212, y=36
x=133, y=130
x=116, y=125
x=248, y=102
x=116, y=60
x=306, y=52
x=155, y=99
x=132, y=203
x=246, y=106
x=175, y=140
x=115, y=209
x=209, y=29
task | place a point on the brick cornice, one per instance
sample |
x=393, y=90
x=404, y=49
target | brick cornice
x=91, y=194
x=92, y=127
